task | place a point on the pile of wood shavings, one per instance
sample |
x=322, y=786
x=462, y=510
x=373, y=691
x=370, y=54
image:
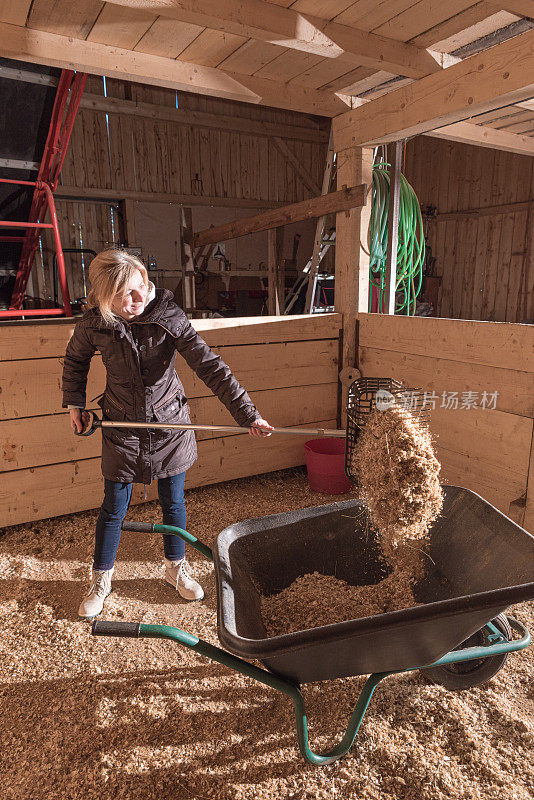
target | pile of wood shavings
x=125, y=718
x=315, y=600
x=399, y=476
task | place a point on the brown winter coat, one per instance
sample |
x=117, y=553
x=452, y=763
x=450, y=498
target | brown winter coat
x=142, y=386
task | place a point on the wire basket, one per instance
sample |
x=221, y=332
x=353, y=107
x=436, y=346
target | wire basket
x=366, y=394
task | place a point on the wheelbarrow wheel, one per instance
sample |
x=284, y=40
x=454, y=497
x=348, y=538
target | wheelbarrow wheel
x=466, y=674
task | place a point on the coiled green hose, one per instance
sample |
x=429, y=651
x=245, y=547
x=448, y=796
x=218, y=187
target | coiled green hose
x=411, y=242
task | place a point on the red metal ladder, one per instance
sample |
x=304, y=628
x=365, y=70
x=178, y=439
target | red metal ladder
x=69, y=92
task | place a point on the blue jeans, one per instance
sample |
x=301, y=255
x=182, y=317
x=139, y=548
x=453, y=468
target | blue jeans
x=113, y=510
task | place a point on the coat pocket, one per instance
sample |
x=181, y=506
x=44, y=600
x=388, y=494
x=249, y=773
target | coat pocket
x=111, y=409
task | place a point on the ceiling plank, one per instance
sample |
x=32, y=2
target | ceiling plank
x=523, y=8
x=14, y=11
x=64, y=16
x=251, y=57
x=370, y=14
x=502, y=75
x=467, y=133
x=121, y=27
x=420, y=17
x=167, y=37
x=211, y=47
x=66, y=52
x=454, y=25
x=285, y=27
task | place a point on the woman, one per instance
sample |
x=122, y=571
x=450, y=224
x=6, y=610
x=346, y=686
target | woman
x=138, y=330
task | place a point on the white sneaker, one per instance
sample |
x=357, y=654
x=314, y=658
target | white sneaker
x=93, y=602
x=178, y=574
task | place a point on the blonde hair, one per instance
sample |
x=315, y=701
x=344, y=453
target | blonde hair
x=109, y=273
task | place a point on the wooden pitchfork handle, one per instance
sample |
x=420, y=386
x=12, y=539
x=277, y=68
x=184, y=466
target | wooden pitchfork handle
x=95, y=423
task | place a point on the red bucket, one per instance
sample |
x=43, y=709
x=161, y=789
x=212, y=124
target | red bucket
x=325, y=460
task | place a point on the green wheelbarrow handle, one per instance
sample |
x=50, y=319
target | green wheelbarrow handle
x=292, y=690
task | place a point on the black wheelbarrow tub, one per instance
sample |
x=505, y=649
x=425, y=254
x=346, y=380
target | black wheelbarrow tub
x=482, y=562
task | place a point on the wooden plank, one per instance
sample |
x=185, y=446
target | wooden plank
x=65, y=52
x=523, y=8
x=19, y=340
x=481, y=477
x=455, y=24
x=41, y=492
x=352, y=290
x=167, y=37
x=93, y=193
x=495, y=344
x=273, y=300
x=14, y=11
x=434, y=374
x=119, y=27
x=310, y=184
x=64, y=17
x=36, y=441
x=272, y=24
x=419, y=17
x=33, y=387
x=488, y=80
x=483, y=136
x=211, y=47
x=488, y=437
x=342, y=200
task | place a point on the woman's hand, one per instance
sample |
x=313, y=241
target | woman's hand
x=79, y=420
x=260, y=428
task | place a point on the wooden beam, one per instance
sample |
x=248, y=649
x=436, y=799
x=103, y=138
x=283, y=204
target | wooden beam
x=273, y=300
x=523, y=8
x=483, y=211
x=200, y=119
x=502, y=75
x=288, y=28
x=127, y=209
x=308, y=182
x=352, y=262
x=39, y=47
x=482, y=136
x=342, y=200
x=94, y=195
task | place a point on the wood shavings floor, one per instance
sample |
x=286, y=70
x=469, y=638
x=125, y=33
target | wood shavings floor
x=88, y=717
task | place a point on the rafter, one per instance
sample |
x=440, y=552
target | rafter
x=63, y=51
x=523, y=8
x=496, y=77
x=286, y=27
x=468, y=133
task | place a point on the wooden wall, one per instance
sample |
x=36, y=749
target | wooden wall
x=482, y=237
x=490, y=451
x=158, y=158
x=289, y=365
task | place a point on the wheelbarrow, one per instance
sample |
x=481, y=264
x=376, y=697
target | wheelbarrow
x=480, y=562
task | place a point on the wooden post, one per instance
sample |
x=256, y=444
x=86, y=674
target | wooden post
x=127, y=222
x=395, y=160
x=188, y=278
x=273, y=300
x=352, y=262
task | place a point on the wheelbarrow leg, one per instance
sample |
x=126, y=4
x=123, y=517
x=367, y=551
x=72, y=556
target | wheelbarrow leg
x=137, y=629
x=352, y=729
